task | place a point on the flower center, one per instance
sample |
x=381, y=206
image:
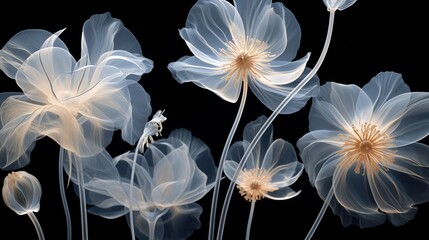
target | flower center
x=246, y=58
x=255, y=183
x=368, y=147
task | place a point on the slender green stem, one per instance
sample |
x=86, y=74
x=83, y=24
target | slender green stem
x=82, y=197
x=36, y=225
x=320, y=215
x=63, y=193
x=271, y=119
x=249, y=222
x=222, y=160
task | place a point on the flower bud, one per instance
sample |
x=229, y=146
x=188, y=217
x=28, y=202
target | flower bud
x=22, y=192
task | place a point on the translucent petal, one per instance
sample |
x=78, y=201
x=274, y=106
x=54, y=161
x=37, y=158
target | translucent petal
x=180, y=222
x=272, y=95
x=286, y=174
x=413, y=122
x=20, y=47
x=279, y=153
x=261, y=147
x=252, y=13
x=127, y=62
x=384, y=86
x=353, y=190
x=293, y=32
x=209, y=27
x=101, y=34
x=282, y=194
x=285, y=72
x=39, y=73
x=191, y=69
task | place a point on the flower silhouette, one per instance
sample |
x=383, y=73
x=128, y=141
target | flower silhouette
x=76, y=103
x=363, y=150
x=21, y=193
x=253, y=42
x=171, y=176
x=334, y=5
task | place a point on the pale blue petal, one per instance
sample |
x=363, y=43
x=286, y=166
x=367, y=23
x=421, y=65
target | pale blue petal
x=279, y=153
x=252, y=13
x=192, y=69
x=40, y=73
x=353, y=190
x=141, y=224
x=101, y=33
x=181, y=222
x=21, y=46
x=272, y=95
x=261, y=147
x=338, y=4
x=229, y=168
x=316, y=148
x=209, y=27
x=384, y=86
x=286, y=174
x=398, y=219
x=413, y=125
x=293, y=32
x=140, y=104
x=284, y=72
x=335, y=107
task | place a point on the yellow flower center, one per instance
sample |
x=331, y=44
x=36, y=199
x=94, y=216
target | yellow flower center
x=246, y=58
x=367, y=147
x=255, y=183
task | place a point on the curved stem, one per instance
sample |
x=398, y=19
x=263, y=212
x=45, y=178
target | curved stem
x=36, y=225
x=222, y=160
x=320, y=215
x=133, y=169
x=63, y=192
x=82, y=197
x=249, y=222
x=271, y=119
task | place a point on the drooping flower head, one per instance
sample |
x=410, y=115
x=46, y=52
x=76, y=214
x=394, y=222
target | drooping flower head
x=271, y=168
x=364, y=144
x=22, y=192
x=170, y=177
x=252, y=42
x=76, y=103
x=334, y=5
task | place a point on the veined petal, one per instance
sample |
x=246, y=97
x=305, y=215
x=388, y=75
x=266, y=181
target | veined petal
x=39, y=73
x=286, y=174
x=280, y=152
x=285, y=72
x=338, y=4
x=293, y=32
x=229, y=168
x=272, y=95
x=384, y=86
x=335, y=107
x=413, y=122
x=192, y=69
x=210, y=26
x=101, y=34
x=21, y=46
x=353, y=190
x=236, y=152
x=252, y=13
x=127, y=62
x=261, y=147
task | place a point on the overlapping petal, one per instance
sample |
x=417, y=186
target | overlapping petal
x=369, y=184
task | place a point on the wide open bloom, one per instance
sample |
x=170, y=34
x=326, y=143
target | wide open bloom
x=334, y=5
x=363, y=143
x=170, y=177
x=252, y=41
x=271, y=168
x=72, y=102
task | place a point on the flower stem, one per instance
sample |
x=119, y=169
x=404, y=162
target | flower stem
x=82, y=197
x=249, y=222
x=63, y=193
x=271, y=119
x=320, y=215
x=36, y=225
x=222, y=160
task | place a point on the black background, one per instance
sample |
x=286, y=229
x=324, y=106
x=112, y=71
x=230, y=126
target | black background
x=369, y=37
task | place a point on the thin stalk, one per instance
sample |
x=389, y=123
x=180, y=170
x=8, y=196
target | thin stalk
x=320, y=215
x=82, y=197
x=270, y=120
x=63, y=193
x=249, y=222
x=133, y=169
x=36, y=225
x=222, y=160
